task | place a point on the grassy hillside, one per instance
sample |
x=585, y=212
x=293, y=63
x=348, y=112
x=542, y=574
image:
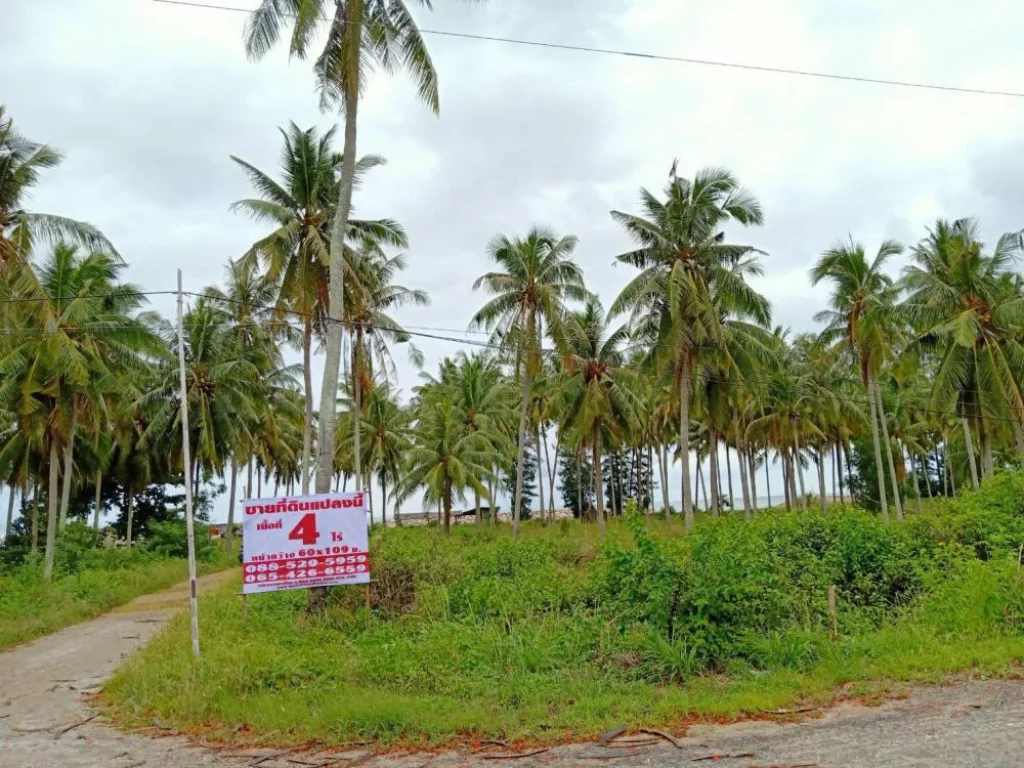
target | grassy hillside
x=558, y=636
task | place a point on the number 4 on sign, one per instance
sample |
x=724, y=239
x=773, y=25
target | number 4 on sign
x=305, y=531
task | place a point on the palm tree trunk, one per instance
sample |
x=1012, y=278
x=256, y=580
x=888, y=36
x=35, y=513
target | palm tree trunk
x=478, y=517
x=947, y=469
x=752, y=478
x=131, y=512
x=684, y=441
x=888, y=454
x=248, y=487
x=446, y=500
x=927, y=477
x=517, y=504
x=744, y=487
x=336, y=289
x=307, y=382
x=69, y=465
x=97, y=500
x=51, y=511
x=540, y=470
x=767, y=479
x=799, y=468
x=1018, y=436
x=728, y=472
x=35, y=516
x=663, y=452
x=985, y=443
x=703, y=485
x=849, y=466
x=832, y=472
x=611, y=484
x=821, y=480
x=13, y=488
x=357, y=415
x=579, y=486
x=788, y=480
x=917, y=485
x=598, y=490
x=878, y=451
x=969, y=444
x=229, y=534
x=552, y=470
x=713, y=474
x=494, y=508
x=698, y=486
x=837, y=463
x=649, y=480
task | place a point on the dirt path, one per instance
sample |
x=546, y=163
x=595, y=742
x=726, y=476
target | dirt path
x=42, y=684
x=979, y=723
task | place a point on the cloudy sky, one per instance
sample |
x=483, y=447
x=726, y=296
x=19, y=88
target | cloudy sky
x=148, y=101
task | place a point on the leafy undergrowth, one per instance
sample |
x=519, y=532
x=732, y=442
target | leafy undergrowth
x=89, y=581
x=557, y=637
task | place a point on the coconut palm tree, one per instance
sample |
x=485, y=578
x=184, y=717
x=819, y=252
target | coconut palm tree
x=967, y=303
x=860, y=318
x=370, y=299
x=296, y=254
x=536, y=278
x=360, y=34
x=388, y=428
x=486, y=397
x=599, y=398
x=688, y=272
x=222, y=386
x=446, y=458
x=65, y=356
x=21, y=164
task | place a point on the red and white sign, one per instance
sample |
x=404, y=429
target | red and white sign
x=297, y=542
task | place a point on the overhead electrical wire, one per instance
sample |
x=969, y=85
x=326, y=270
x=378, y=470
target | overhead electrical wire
x=663, y=57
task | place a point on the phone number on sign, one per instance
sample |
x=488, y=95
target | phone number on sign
x=312, y=568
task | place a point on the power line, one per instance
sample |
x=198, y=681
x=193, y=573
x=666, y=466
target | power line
x=662, y=57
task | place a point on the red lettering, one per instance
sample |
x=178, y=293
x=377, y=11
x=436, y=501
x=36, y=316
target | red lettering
x=305, y=531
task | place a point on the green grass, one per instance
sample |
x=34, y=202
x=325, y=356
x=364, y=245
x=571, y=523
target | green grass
x=559, y=637
x=31, y=607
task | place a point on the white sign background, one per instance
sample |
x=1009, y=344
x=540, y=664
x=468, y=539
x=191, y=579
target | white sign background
x=297, y=542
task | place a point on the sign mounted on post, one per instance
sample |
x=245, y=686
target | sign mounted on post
x=297, y=542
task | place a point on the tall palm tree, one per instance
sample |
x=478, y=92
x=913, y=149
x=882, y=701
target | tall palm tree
x=446, y=458
x=222, y=386
x=688, y=271
x=485, y=396
x=360, y=34
x=388, y=429
x=370, y=299
x=968, y=303
x=536, y=278
x=598, y=398
x=296, y=253
x=860, y=318
x=21, y=164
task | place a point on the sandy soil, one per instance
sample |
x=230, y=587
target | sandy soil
x=44, y=720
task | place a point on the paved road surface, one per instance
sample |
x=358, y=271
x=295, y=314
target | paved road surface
x=42, y=683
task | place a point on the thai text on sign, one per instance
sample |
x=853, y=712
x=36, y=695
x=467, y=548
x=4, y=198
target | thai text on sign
x=297, y=542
